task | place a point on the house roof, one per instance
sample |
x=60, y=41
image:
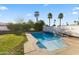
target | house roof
x=3, y=24
x=3, y=27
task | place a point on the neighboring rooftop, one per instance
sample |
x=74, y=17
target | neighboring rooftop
x=3, y=24
x=3, y=27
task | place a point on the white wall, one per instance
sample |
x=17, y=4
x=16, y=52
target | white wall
x=70, y=30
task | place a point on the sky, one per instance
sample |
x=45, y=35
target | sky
x=10, y=12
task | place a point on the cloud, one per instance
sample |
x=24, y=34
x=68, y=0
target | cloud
x=76, y=8
x=2, y=8
x=75, y=12
x=45, y=5
x=29, y=14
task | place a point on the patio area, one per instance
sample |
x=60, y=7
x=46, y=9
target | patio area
x=30, y=47
x=73, y=48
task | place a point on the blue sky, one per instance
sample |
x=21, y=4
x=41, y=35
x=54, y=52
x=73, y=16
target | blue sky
x=9, y=12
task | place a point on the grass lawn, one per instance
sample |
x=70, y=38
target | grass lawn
x=10, y=43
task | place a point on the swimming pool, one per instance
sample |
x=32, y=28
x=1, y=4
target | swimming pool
x=48, y=40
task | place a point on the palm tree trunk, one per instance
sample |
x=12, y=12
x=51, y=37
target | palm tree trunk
x=49, y=22
x=36, y=19
x=60, y=22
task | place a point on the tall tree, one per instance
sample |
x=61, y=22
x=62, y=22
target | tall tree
x=36, y=15
x=49, y=17
x=42, y=22
x=54, y=22
x=75, y=21
x=30, y=23
x=67, y=23
x=60, y=16
x=39, y=25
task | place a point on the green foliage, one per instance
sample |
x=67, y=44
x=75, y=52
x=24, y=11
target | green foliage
x=39, y=25
x=17, y=28
x=41, y=22
x=20, y=20
x=49, y=17
x=21, y=27
x=60, y=16
x=30, y=24
x=76, y=22
x=36, y=26
x=36, y=15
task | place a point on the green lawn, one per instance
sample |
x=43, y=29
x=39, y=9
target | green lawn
x=11, y=43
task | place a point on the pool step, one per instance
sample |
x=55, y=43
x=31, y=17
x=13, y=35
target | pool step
x=53, y=45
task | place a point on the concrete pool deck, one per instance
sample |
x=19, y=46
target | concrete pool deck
x=73, y=48
x=30, y=47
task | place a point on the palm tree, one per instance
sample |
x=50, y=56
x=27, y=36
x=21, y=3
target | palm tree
x=75, y=21
x=36, y=15
x=60, y=16
x=67, y=23
x=54, y=22
x=49, y=17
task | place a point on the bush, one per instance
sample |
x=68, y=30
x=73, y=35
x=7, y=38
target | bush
x=30, y=23
x=39, y=25
x=20, y=28
x=17, y=28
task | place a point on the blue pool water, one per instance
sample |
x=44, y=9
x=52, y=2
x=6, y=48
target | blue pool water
x=48, y=40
